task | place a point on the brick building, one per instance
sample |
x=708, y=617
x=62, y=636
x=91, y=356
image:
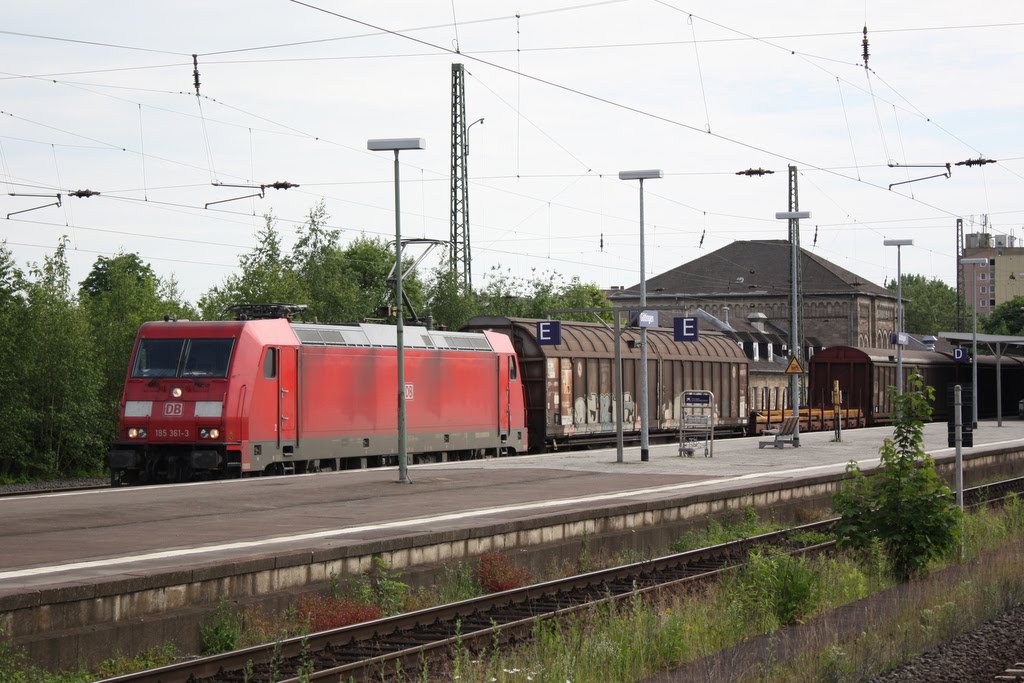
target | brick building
x=750, y=280
x=743, y=289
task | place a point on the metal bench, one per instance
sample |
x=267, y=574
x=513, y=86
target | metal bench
x=783, y=433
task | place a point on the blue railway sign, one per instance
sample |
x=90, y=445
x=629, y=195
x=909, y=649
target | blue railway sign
x=549, y=333
x=685, y=329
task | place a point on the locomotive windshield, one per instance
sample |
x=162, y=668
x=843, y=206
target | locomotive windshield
x=183, y=358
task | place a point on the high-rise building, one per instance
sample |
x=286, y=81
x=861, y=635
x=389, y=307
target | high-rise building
x=1001, y=280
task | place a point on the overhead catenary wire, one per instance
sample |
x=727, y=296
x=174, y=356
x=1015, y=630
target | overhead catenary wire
x=384, y=31
x=67, y=209
x=903, y=149
x=6, y=169
x=700, y=73
x=422, y=169
x=455, y=27
x=608, y=101
x=849, y=131
x=305, y=43
x=206, y=134
x=142, y=154
x=577, y=208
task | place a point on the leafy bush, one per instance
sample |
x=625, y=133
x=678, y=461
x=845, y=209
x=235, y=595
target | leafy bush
x=460, y=583
x=777, y=589
x=733, y=527
x=151, y=658
x=905, y=504
x=221, y=635
x=1014, y=509
x=12, y=662
x=321, y=612
x=496, y=572
x=380, y=587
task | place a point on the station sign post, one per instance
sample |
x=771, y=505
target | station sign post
x=549, y=333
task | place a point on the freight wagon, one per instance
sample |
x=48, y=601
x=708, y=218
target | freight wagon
x=865, y=377
x=570, y=393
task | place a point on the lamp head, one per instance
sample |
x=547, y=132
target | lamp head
x=646, y=174
x=389, y=144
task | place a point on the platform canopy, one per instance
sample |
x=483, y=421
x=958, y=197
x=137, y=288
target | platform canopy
x=997, y=344
x=987, y=339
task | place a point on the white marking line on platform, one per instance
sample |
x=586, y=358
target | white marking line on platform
x=327, y=533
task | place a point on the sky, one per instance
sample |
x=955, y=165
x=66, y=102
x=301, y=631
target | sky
x=571, y=93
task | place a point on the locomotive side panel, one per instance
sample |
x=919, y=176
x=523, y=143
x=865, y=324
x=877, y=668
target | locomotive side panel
x=455, y=401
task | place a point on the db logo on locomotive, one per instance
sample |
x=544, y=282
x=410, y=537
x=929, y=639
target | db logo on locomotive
x=174, y=409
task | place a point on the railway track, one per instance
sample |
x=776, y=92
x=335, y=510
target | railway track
x=406, y=641
x=29, y=491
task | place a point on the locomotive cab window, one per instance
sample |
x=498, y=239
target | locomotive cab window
x=158, y=358
x=207, y=358
x=270, y=364
x=183, y=358
x=512, y=373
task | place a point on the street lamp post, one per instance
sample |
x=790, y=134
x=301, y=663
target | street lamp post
x=396, y=145
x=899, y=244
x=794, y=334
x=644, y=428
x=974, y=350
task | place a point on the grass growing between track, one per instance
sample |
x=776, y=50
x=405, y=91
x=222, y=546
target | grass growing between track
x=733, y=630
x=706, y=629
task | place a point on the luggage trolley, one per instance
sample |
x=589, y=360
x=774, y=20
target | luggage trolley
x=697, y=423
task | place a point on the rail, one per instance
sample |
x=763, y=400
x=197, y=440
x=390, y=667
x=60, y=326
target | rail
x=405, y=642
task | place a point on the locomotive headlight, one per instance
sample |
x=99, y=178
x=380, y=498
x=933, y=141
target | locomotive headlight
x=209, y=433
x=136, y=433
x=176, y=392
x=214, y=433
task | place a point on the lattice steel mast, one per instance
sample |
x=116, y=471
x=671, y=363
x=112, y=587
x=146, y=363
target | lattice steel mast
x=796, y=300
x=460, y=251
x=959, y=275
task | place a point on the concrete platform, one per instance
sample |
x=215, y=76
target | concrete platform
x=75, y=561
x=69, y=537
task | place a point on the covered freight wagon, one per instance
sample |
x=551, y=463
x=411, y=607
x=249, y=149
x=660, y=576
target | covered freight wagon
x=570, y=388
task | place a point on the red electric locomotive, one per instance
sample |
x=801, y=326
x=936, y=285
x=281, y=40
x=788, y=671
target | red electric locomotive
x=236, y=398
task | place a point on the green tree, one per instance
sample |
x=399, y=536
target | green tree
x=929, y=305
x=905, y=504
x=117, y=296
x=578, y=294
x=448, y=301
x=268, y=276
x=15, y=438
x=321, y=266
x=105, y=272
x=368, y=263
x=62, y=407
x=1006, y=318
x=508, y=295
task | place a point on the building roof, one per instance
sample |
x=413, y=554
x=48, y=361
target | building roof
x=754, y=268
